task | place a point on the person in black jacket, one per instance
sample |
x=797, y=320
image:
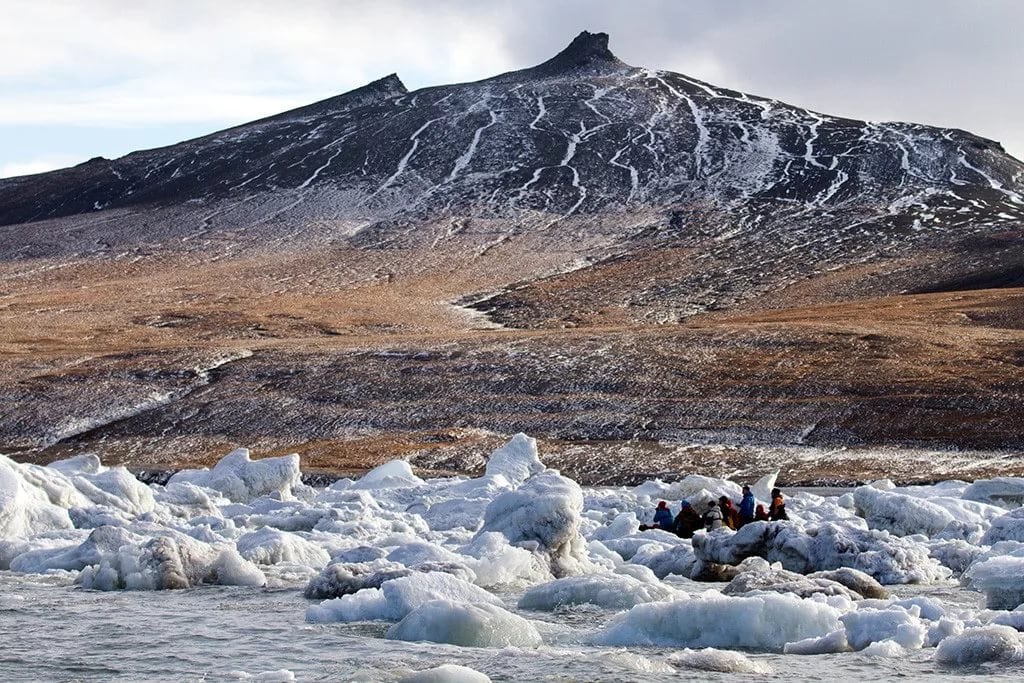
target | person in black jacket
x=777, y=510
x=687, y=521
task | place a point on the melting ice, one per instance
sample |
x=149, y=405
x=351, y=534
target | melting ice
x=512, y=559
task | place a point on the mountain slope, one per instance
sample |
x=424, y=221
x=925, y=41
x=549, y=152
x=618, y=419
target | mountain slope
x=486, y=219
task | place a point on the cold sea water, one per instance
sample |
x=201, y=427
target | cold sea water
x=51, y=630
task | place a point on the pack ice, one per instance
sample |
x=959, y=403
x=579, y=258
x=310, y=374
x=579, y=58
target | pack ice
x=492, y=561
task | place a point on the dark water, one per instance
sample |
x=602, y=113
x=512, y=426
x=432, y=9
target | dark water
x=52, y=631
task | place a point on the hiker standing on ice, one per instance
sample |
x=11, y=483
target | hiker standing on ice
x=747, y=504
x=713, y=517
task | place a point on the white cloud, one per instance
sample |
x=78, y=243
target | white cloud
x=16, y=168
x=148, y=62
x=125, y=105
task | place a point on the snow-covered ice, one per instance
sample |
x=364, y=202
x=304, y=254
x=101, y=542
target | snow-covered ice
x=982, y=644
x=446, y=673
x=466, y=624
x=765, y=622
x=601, y=590
x=1001, y=578
x=484, y=562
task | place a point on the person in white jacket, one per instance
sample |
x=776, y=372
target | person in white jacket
x=713, y=517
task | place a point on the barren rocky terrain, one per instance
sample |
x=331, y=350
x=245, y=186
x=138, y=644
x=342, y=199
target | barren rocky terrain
x=649, y=273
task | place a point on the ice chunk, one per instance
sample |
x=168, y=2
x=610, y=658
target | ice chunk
x=768, y=622
x=390, y=475
x=26, y=510
x=446, y=673
x=231, y=569
x=170, y=562
x=360, y=554
x=905, y=515
x=724, y=661
x=188, y=500
x=887, y=558
x=278, y=676
x=272, y=546
x=630, y=662
x=981, y=644
x=241, y=479
x=101, y=542
x=543, y=513
x=762, y=488
x=865, y=626
x=1002, y=580
x=1014, y=619
x=1008, y=527
x=56, y=541
x=446, y=515
x=57, y=485
x=638, y=572
x=606, y=591
x=649, y=542
x=942, y=629
x=625, y=524
x=888, y=649
x=396, y=598
x=926, y=607
x=500, y=564
x=695, y=488
x=419, y=552
x=336, y=580
x=1003, y=491
x=517, y=460
x=822, y=645
x=955, y=555
x=782, y=581
x=677, y=559
x=86, y=463
x=116, y=488
x=465, y=624
x=854, y=579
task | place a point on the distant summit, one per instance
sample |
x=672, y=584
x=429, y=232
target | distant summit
x=583, y=133
x=587, y=50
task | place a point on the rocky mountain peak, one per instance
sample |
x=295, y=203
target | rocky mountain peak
x=389, y=85
x=587, y=50
x=582, y=249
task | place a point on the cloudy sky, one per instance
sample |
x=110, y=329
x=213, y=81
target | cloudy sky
x=105, y=77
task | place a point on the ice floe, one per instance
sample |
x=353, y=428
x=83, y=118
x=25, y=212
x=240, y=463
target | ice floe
x=478, y=562
x=446, y=673
x=466, y=624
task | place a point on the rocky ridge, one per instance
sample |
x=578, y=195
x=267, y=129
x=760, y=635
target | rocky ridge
x=606, y=252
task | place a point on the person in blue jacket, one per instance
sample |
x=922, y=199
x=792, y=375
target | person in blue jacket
x=663, y=517
x=747, y=504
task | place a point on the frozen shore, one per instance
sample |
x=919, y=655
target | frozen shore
x=504, y=560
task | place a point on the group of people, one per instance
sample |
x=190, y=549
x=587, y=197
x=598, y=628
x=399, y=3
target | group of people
x=721, y=514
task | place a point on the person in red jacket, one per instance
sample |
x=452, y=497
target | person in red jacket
x=760, y=514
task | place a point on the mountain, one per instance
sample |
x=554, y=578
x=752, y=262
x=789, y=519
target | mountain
x=589, y=251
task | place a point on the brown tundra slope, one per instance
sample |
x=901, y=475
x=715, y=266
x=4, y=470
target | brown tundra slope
x=649, y=273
